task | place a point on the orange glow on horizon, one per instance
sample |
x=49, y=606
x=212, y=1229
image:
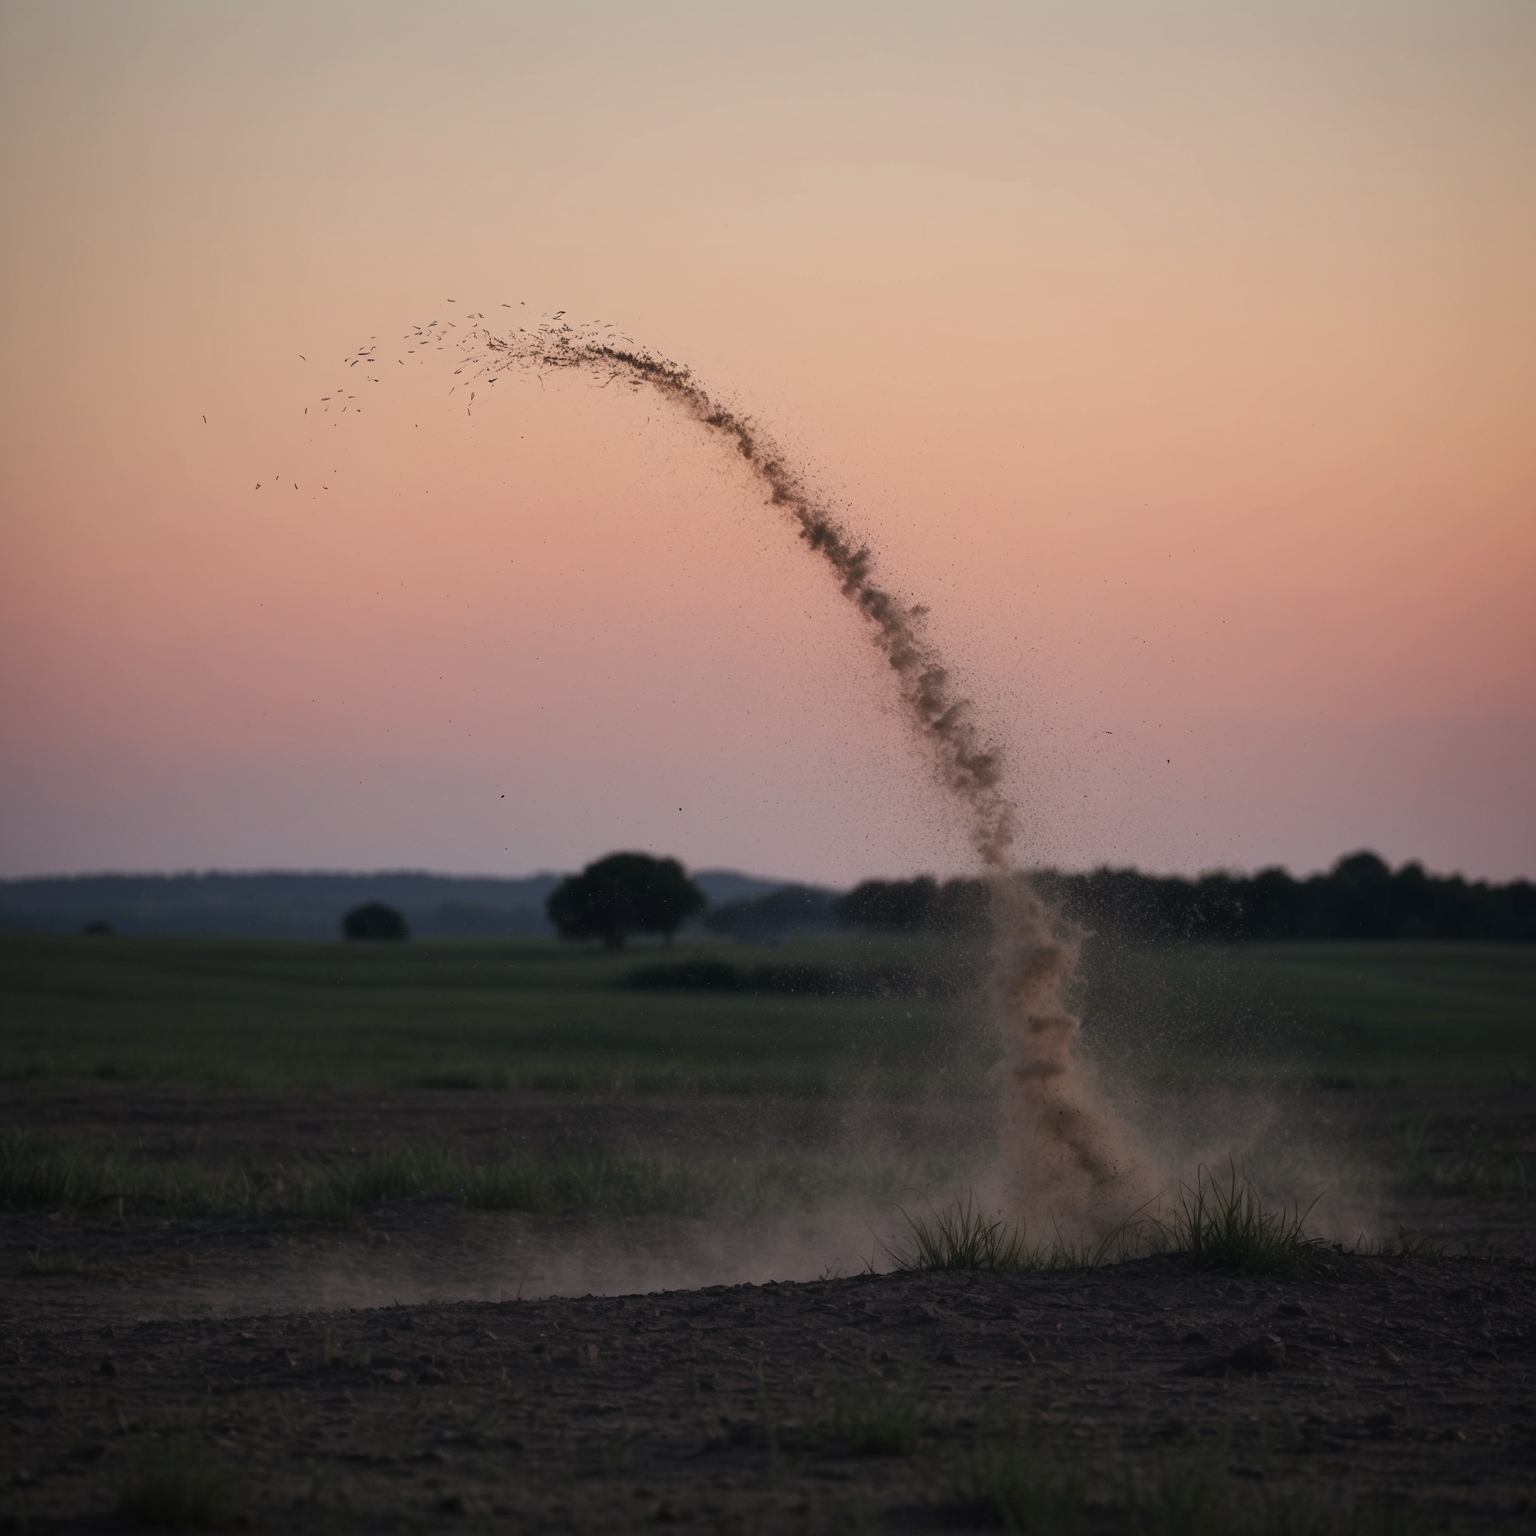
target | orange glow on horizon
x=1185, y=370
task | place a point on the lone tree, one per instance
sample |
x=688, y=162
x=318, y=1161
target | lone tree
x=623, y=894
x=373, y=920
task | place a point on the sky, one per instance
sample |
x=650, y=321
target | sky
x=1180, y=357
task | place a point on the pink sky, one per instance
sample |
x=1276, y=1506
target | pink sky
x=1183, y=361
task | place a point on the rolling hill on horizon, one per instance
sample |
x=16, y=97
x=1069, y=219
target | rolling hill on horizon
x=283, y=904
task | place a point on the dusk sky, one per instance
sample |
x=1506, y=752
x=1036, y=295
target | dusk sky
x=1181, y=357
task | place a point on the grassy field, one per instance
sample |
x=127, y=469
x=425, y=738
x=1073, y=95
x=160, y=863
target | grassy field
x=439, y=1014
x=541, y=1015
x=1344, y=1014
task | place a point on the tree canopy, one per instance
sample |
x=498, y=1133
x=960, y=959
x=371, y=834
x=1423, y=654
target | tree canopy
x=373, y=920
x=622, y=894
x=1361, y=897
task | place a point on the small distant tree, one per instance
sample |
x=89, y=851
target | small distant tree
x=373, y=920
x=622, y=894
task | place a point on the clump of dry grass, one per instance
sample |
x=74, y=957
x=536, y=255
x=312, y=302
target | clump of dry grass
x=1226, y=1224
x=961, y=1235
x=1216, y=1224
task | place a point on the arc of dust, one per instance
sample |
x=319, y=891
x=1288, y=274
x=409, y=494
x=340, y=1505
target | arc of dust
x=969, y=767
x=1063, y=1149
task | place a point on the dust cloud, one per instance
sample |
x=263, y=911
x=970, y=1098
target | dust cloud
x=1065, y=1154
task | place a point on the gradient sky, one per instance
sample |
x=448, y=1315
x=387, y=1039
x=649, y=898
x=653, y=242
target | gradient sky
x=1181, y=357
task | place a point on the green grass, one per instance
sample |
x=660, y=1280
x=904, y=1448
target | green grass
x=454, y=1015
x=1345, y=1014
x=535, y=1014
x=38, y=1174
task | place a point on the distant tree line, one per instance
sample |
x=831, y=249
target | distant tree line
x=1361, y=897
x=792, y=908
x=274, y=905
x=629, y=894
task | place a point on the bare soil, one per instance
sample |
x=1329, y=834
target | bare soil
x=415, y=1372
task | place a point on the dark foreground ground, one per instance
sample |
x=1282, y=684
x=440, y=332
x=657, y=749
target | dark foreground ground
x=1378, y=1395
x=230, y=1372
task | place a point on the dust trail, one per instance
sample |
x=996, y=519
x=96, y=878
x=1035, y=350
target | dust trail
x=1064, y=1151
x=1066, y=1157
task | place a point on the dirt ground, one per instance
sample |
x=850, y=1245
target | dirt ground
x=416, y=1372
x=259, y=1125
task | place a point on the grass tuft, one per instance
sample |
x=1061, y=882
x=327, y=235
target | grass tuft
x=34, y=1177
x=1026, y=1491
x=1217, y=1224
x=37, y=1262
x=181, y=1484
x=878, y=1419
x=963, y=1236
x=1226, y=1225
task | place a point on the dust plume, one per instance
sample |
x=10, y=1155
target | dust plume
x=1064, y=1151
x=1066, y=1158
x=969, y=768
